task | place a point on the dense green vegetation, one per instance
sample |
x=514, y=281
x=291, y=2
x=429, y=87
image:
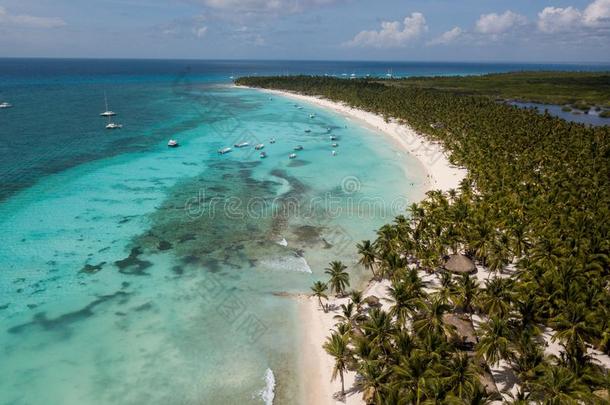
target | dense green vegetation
x=581, y=88
x=534, y=209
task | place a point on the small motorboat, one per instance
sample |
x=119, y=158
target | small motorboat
x=172, y=143
x=292, y=156
x=112, y=125
x=335, y=145
x=299, y=108
x=224, y=150
x=307, y=131
x=312, y=115
x=259, y=146
x=242, y=144
x=272, y=140
x=298, y=147
x=262, y=155
x=334, y=153
x=5, y=105
x=333, y=138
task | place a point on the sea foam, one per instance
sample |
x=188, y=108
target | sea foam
x=290, y=263
x=267, y=394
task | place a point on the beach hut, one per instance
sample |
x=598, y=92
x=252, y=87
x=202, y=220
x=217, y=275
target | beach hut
x=372, y=301
x=459, y=264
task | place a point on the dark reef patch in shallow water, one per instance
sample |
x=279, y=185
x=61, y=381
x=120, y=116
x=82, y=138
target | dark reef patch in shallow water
x=132, y=264
x=202, y=227
x=298, y=163
x=41, y=321
x=164, y=245
x=187, y=237
x=144, y=307
x=91, y=268
x=308, y=233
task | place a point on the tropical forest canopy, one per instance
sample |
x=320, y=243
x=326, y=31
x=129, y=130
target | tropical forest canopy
x=592, y=88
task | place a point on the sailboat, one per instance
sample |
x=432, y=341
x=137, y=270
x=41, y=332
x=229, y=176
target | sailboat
x=112, y=125
x=107, y=113
x=5, y=105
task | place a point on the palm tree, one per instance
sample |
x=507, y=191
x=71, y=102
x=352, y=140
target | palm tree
x=431, y=321
x=462, y=375
x=349, y=315
x=368, y=256
x=319, y=290
x=494, y=344
x=336, y=346
x=574, y=326
x=339, y=278
x=558, y=386
x=356, y=297
x=405, y=301
x=466, y=292
x=413, y=373
x=497, y=296
x=379, y=328
x=374, y=376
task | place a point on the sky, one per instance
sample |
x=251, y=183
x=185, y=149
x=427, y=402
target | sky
x=400, y=30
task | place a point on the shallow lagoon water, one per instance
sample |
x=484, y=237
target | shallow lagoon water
x=161, y=275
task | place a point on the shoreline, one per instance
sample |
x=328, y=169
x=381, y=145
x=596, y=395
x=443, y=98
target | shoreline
x=440, y=173
x=315, y=364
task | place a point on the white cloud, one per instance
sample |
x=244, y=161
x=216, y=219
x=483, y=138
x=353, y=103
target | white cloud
x=392, y=34
x=25, y=20
x=554, y=19
x=200, y=32
x=496, y=24
x=447, y=37
x=597, y=13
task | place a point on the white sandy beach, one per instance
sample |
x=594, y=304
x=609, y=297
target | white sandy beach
x=316, y=364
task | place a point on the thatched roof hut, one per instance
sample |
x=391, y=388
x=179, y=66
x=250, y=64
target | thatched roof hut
x=465, y=336
x=459, y=264
x=372, y=301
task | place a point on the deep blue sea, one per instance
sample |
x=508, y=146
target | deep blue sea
x=133, y=273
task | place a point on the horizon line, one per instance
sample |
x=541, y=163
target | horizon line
x=307, y=60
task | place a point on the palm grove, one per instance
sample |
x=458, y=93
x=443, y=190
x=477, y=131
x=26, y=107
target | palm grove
x=536, y=199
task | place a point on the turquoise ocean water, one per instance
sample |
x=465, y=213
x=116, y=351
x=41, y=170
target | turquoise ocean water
x=133, y=273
